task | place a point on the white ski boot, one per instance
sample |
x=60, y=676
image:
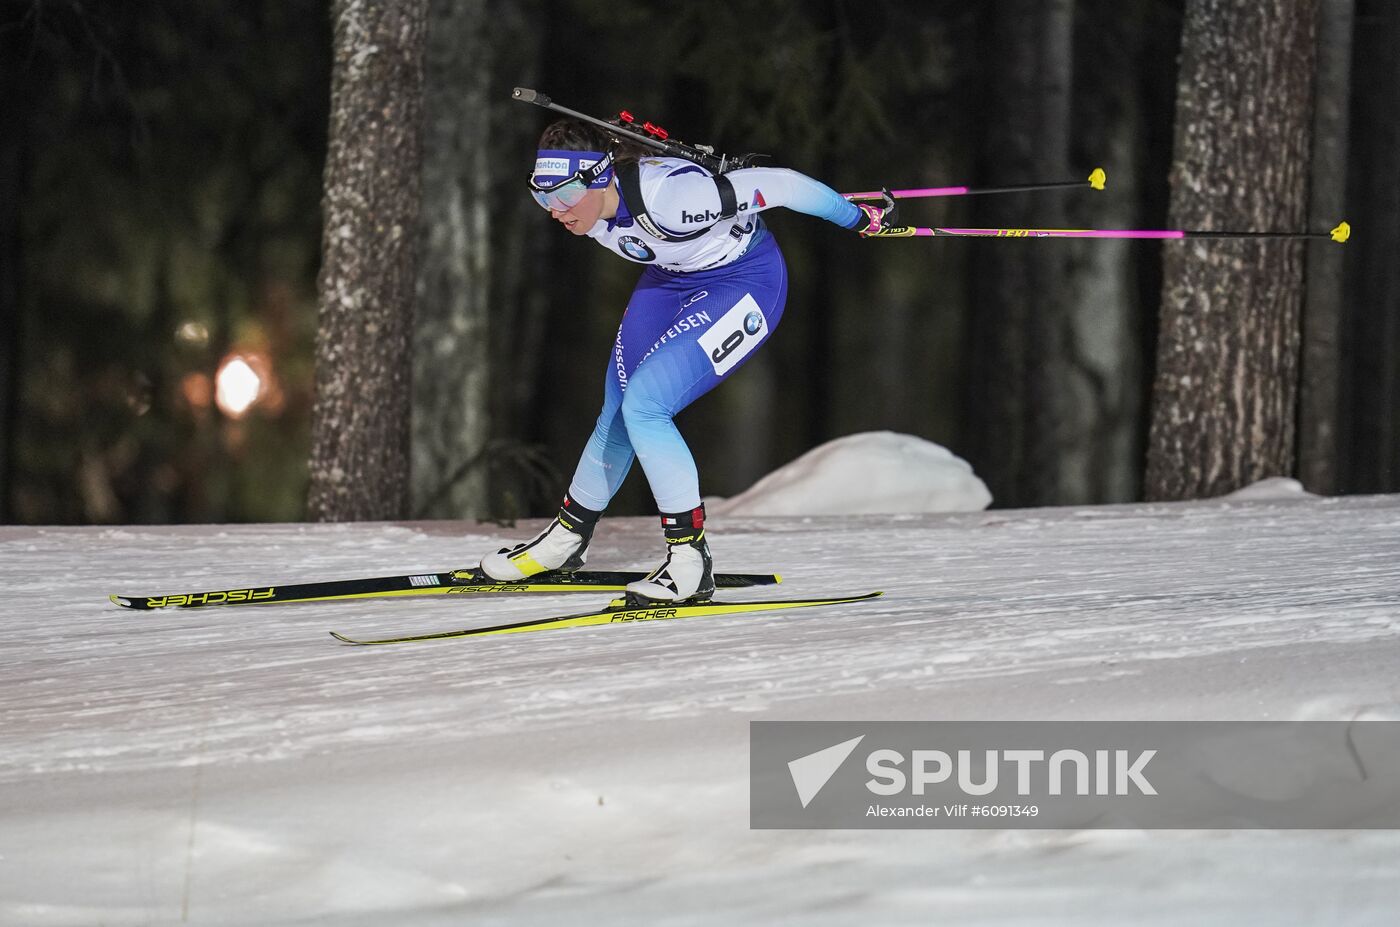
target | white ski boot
x=688, y=572
x=563, y=546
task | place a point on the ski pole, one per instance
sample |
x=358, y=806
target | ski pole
x=1339, y=234
x=1095, y=180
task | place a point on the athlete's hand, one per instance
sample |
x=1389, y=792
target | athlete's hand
x=879, y=220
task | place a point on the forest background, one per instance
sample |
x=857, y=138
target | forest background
x=161, y=217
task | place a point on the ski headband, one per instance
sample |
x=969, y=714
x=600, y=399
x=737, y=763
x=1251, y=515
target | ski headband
x=553, y=166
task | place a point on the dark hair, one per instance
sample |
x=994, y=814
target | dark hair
x=577, y=135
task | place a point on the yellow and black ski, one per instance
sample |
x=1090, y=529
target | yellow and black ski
x=446, y=582
x=619, y=612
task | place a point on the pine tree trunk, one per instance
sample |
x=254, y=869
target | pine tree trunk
x=360, y=424
x=1322, y=312
x=1225, y=397
x=1015, y=408
x=1103, y=380
x=451, y=421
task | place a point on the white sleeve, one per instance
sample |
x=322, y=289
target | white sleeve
x=767, y=187
x=687, y=199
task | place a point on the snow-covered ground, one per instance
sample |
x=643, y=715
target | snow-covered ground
x=238, y=766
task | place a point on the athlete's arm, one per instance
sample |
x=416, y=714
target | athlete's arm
x=687, y=199
x=767, y=187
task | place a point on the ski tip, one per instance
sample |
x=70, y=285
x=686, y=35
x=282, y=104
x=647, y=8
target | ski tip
x=1342, y=232
x=342, y=638
x=1097, y=178
x=777, y=578
x=119, y=600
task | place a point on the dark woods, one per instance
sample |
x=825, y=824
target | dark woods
x=161, y=223
x=161, y=218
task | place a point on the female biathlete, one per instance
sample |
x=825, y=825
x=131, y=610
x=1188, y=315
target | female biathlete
x=712, y=292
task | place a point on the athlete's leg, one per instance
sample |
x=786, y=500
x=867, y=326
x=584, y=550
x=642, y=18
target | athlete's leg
x=606, y=458
x=608, y=454
x=743, y=314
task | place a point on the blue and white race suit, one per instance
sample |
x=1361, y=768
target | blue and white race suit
x=699, y=312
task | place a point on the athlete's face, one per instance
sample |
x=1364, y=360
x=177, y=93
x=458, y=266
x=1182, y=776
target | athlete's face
x=584, y=214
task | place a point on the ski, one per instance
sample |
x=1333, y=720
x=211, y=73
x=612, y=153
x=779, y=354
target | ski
x=619, y=612
x=445, y=582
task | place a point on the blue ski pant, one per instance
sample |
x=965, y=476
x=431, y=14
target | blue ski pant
x=682, y=335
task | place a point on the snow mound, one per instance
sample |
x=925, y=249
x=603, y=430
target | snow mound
x=872, y=473
x=1273, y=488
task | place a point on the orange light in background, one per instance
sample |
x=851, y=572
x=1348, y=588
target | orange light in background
x=238, y=384
x=197, y=389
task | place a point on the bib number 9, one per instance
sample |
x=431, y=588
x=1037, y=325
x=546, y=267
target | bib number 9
x=734, y=335
x=727, y=346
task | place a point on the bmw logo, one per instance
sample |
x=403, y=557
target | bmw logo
x=753, y=322
x=635, y=248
